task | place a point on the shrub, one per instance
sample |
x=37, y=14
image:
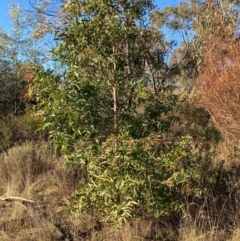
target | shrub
x=15, y=130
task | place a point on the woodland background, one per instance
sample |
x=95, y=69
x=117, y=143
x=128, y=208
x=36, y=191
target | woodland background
x=111, y=129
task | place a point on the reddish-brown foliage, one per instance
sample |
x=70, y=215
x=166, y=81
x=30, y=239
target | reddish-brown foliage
x=219, y=80
x=27, y=73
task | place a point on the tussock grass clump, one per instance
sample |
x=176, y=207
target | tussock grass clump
x=36, y=173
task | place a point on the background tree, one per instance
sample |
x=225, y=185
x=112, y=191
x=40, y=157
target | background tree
x=178, y=20
x=17, y=49
x=218, y=79
x=209, y=63
x=13, y=86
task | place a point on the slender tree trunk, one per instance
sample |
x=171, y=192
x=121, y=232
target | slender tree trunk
x=115, y=97
x=115, y=106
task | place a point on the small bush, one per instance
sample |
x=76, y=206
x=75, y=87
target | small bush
x=15, y=130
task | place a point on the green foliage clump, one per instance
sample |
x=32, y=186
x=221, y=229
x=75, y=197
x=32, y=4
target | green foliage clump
x=129, y=178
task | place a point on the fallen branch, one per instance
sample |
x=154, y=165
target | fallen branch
x=10, y=199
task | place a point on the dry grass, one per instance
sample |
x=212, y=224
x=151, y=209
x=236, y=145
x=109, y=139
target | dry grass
x=192, y=234
x=235, y=236
x=36, y=173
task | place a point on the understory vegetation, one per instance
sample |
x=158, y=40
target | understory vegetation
x=109, y=130
x=36, y=173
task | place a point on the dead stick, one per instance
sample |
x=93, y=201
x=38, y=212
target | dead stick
x=10, y=198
